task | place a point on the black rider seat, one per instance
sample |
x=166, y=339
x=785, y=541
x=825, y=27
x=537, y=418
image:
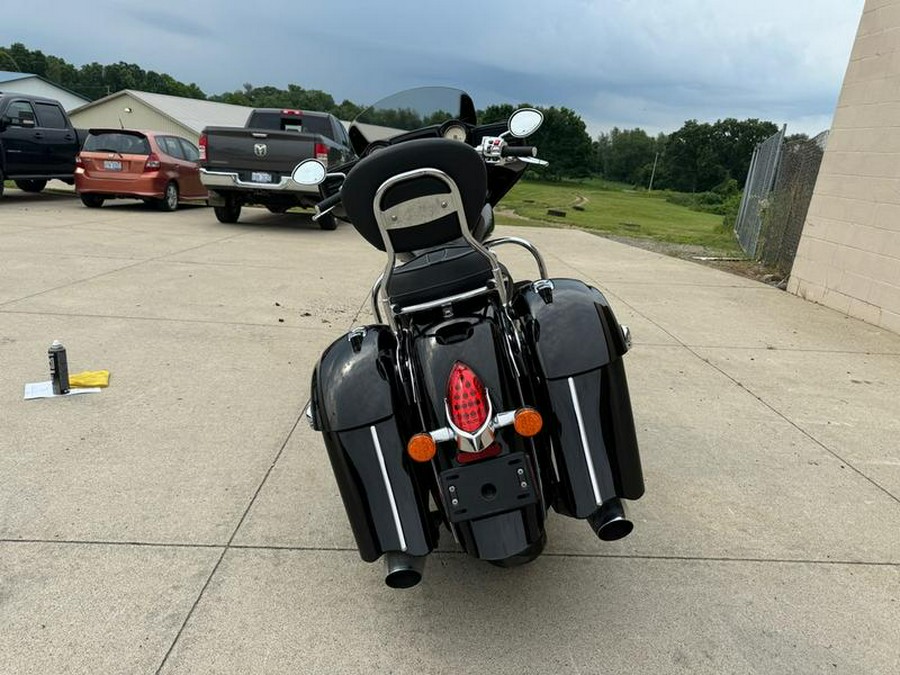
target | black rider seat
x=439, y=273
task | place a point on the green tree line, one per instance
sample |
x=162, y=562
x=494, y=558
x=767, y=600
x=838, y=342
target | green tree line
x=93, y=80
x=699, y=157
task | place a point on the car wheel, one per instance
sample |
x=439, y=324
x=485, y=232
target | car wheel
x=35, y=185
x=230, y=212
x=327, y=222
x=169, y=202
x=91, y=201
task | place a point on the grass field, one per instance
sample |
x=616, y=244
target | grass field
x=616, y=209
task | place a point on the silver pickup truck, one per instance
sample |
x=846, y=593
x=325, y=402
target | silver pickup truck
x=253, y=164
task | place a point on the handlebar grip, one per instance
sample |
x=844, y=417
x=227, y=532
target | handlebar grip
x=328, y=202
x=518, y=151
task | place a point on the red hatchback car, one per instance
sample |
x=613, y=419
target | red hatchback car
x=151, y=165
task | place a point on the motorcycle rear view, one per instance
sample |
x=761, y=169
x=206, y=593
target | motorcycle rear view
x=476, y=402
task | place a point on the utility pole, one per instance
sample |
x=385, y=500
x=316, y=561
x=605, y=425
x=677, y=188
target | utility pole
x=653, y=173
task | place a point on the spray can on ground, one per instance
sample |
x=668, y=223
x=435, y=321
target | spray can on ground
x=59, y=368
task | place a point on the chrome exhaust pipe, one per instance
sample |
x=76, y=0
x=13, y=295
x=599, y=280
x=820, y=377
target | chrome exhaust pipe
x=609, y=522
x=403, y=570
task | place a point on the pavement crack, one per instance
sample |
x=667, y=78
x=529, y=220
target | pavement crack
x=104, y=542
x=457, y=553
x=796, y=426
x=229, y=544
x=314, y=328
x=119, y=269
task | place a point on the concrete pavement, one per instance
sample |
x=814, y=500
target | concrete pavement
x=185, y=520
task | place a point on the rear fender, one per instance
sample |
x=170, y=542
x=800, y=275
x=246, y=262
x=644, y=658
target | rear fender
x=498, y=512
x=475, y=341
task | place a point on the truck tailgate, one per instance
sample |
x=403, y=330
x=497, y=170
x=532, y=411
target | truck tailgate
x=275, y=152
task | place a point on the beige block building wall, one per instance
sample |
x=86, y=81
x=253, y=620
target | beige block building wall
x=112, y=113
x=849, y=253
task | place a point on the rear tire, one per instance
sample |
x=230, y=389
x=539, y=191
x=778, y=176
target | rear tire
x=530, y=554
x=230, y=212
x=327, y=222
x=91, y=201
x=169, y=202
x=33, y=185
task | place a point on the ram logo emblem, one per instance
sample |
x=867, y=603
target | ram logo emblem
x=261, y=149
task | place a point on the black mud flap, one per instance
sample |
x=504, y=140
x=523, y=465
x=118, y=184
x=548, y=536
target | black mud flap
x=355, y=392
x=576, y=347
x=495, y=505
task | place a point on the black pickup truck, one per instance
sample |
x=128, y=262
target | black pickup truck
x=37, y=142
x=253, y=164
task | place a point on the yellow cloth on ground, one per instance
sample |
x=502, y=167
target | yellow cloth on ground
x=89, y=378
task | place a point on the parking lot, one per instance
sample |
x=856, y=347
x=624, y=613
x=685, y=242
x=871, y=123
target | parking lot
x=185, y=520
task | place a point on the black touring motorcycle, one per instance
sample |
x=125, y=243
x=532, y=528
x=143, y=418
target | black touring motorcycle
x=476, y=401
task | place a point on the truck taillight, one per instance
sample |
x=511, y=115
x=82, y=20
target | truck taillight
x=467, y=399
x=291, y=112
x=152, y=163
x=201, y=146
x=322, y=153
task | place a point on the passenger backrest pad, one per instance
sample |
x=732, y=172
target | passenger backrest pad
x=459, y=161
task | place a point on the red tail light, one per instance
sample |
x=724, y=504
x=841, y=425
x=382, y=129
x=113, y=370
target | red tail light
x=201, y=146
x=79, y=161
x=467, y=398
x=291, y=112
x=152, y=163
x=322, y=153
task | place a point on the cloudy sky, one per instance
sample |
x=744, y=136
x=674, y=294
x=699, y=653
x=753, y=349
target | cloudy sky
x=647, y=63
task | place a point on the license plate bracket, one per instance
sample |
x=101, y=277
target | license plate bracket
x=488, y=487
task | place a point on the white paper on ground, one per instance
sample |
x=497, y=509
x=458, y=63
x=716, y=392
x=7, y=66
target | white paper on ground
x=45, y=390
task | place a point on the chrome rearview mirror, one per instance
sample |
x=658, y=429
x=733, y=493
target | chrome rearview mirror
x=309, y=172
x=524, y=122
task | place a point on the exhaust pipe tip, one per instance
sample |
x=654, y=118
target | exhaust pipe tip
x=609, y=522
x=403, y=570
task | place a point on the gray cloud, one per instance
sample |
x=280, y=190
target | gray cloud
x=650, y=63
x=169, y=22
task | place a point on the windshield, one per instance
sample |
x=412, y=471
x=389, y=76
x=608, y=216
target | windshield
x=414, y=109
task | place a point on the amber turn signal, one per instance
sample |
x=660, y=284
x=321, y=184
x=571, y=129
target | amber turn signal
x=528, y=422
x=421, y=447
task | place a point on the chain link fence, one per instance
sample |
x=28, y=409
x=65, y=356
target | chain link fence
x=776, y=198
x=760, y=179
x=786, y=213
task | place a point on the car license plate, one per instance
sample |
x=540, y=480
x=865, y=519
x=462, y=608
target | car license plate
x=112, y=165
x=260, y=177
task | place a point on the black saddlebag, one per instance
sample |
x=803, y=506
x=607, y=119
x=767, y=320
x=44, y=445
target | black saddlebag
x=576, y=346
x=354, y=393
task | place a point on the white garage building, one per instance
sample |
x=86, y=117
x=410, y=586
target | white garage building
x=34, y=85
x=185, y=117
